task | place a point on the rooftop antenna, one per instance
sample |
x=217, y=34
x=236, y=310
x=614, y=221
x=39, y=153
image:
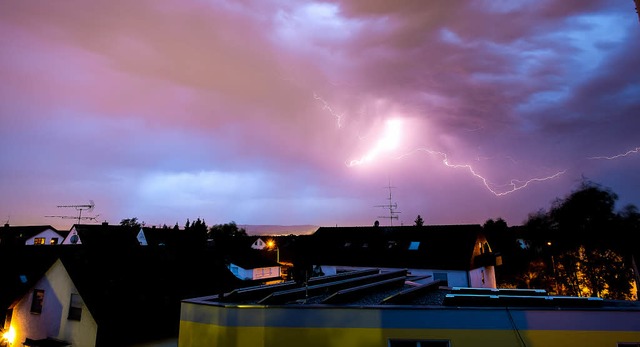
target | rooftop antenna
x=391, y=206
x=79, y=208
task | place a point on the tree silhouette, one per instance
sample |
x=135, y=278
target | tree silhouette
x=419, y=221
x=224, y=232
x=584, y=242
x=130, y=222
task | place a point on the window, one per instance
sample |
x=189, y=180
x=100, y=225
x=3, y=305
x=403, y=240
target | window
x=440, y=276
x=39, y=241
x=37, y=300
x=413, y=246
x=419, y=343
x=54, y=241
x=75, y=307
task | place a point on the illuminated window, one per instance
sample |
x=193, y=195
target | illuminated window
x=413, y=246
x=54, y=241
x=419, y=343
x=75, y=307
x=37, y=300
x=39, y=241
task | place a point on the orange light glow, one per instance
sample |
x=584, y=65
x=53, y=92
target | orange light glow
x=10, y=335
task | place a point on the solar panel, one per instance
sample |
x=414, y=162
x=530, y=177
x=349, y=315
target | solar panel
x=349, y=294
x=407, y=295
x=285, y=296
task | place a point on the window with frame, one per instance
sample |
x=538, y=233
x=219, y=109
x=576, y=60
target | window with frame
x=418, y=343
x=75, y=307
x=39, y=241
x=53, y=241
x=414, y=245
x=37, y=300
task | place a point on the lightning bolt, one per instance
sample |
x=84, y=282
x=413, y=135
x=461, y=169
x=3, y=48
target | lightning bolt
x=629, y=152
x=513, y=185
x=388, y=142
x=326, y=106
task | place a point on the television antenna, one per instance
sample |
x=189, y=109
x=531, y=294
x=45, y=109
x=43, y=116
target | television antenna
x=391, y=206
x=80, y=208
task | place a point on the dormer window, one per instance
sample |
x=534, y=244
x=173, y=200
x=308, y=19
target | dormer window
x=53, y=241
x=39, y=241
x=414, y=245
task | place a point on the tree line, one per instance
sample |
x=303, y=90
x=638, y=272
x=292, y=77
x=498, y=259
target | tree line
x=580, y=246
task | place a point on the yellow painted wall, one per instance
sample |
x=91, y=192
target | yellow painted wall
x=253, y=327
x=198, y=334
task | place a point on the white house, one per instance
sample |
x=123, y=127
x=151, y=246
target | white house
x=458, y=254
x=52, y=312
x=104, y=233
x=258, y=244
x=37, y=235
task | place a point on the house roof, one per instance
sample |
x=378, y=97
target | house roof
x=19, y=234
x=22, y=267
x=171, y=237
x=99, y=234
x=427, y=247
x=253, y=259
x=132, y=291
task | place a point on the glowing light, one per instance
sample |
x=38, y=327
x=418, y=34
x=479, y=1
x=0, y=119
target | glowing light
x=389, y=141
x=512, y=186
x=326, y=106
x=10, y=335
x=629, y=152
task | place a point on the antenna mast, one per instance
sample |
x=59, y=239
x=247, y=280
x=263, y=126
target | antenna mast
x=78, y=208
x=391, y=206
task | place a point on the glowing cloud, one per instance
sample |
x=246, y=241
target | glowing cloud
x=389, y=141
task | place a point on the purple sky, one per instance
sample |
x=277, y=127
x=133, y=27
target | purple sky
x=302, y=112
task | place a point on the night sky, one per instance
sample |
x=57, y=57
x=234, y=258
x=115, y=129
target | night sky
x=303, y=112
